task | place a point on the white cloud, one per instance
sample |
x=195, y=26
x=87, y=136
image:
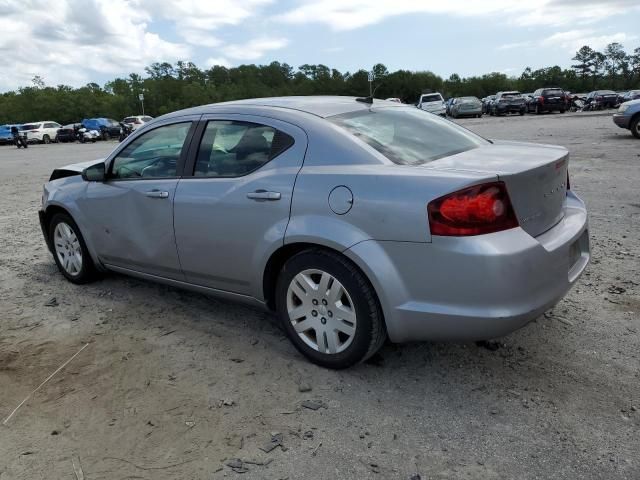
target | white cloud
x=572, y=40
x=255, y=48
x=66, y=44
x=353, y=14
x=194, y=20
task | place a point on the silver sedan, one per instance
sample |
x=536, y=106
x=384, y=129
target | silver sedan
x=355, y=220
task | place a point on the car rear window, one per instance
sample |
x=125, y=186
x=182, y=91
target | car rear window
x=408, y=136
x=553, y=91
x=511, y=95
x=31, y=126
x=432, y=98
x=130, y=120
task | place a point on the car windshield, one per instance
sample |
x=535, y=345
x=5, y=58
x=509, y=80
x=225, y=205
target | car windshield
x=432, y=98
x=553, y=91
x=468, y=99
x=511, y=95
x=408, y=136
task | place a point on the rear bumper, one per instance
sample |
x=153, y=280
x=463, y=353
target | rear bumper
x=474, y=288
x=510, y=108
x=622, y=120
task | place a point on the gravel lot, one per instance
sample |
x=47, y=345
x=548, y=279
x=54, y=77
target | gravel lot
x=176, y=385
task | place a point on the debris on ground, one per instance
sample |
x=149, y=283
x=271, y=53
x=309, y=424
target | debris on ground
x=276, y=441
x=304, y=387
x=53, y=302
x=313, y=404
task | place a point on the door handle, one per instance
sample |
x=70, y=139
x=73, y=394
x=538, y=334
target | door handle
x=157, y=194
x=264, y=195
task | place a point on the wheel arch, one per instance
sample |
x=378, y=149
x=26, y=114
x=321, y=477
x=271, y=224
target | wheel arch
x=53, y=209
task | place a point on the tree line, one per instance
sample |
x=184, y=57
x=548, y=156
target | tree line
x=168, y=87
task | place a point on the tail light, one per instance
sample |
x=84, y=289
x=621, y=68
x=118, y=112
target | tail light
x=475, y=210
x=541, y=99
x=598, y=97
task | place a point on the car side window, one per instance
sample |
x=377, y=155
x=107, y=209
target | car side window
x=233, y=149
x=155, y=154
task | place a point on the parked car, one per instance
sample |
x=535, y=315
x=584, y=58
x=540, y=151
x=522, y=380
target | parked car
x=508, y=102
x=432, y=103
x=599, y=99
x=466, y=107
x=548, y=100
x=354, y=221
x=447, y=105
x=628, y=116
x=486, y=104
x=41, y=132
x=67, y=133
x=630, y=95
x=137, y=121
x=6, y=136
x=107, y=127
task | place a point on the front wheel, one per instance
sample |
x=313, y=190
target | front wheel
x=329, y=309
x=635, y=127
x=69, y=250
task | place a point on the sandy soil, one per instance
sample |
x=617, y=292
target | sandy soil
x=178, y=385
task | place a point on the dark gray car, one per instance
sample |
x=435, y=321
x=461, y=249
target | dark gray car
x=356, y=222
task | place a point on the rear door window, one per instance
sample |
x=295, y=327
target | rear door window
x=233, y=149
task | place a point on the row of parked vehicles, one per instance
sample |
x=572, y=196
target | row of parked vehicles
x=89, y=129
x=550, y=99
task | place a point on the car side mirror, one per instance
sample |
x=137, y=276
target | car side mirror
x=94, y=173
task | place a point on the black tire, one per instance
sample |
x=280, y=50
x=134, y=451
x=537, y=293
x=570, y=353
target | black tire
x=46, y=139
x=88, y=272
x=635, y=127
x=105, y=135
x=537, y=110
x=521, y=112
x=370, y=332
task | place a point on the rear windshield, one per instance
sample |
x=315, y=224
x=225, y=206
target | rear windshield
x=553, y=91
x=432, y=98
x=511, y=95
x=469, y=99
x=130, y=120
x=606, y=92
x=29, y=127
x=408, y=136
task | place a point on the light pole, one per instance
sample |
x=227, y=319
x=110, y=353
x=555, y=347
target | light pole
x=371, y=77
x=141, y=98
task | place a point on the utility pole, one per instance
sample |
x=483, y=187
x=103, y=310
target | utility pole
x=141, y=98
x=371, y=77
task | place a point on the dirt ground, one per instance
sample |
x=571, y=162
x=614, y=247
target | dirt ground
x=178, y=385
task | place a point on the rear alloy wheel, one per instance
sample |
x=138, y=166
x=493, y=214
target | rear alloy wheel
x=328, y=309
x=538, y=111
x=46, y=139
x=635, y=127
x=69, y=250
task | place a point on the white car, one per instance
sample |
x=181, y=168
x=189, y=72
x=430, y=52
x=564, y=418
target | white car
x=432, y=103
x=44, y=132
x=137, y=121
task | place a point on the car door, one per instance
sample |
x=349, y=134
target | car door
x=234, y=211
x=131, y=213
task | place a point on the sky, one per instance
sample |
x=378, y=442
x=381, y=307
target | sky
x=74, y=42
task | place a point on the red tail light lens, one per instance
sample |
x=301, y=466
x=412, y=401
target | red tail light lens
x=475, y=210
x=541, y=99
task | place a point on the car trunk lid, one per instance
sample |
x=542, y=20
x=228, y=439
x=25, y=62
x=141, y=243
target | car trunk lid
x=535, y=176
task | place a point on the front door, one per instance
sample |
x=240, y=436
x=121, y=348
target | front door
x=132, y=211
x=235, y=208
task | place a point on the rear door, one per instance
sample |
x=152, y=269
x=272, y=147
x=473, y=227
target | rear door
x=132, y=211
x=234, y=209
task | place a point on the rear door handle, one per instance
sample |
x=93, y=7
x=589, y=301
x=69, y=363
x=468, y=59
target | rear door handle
x=264, y=195
x=157, y=194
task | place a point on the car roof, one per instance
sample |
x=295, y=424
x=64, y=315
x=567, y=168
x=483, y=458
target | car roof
x=319, y=105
